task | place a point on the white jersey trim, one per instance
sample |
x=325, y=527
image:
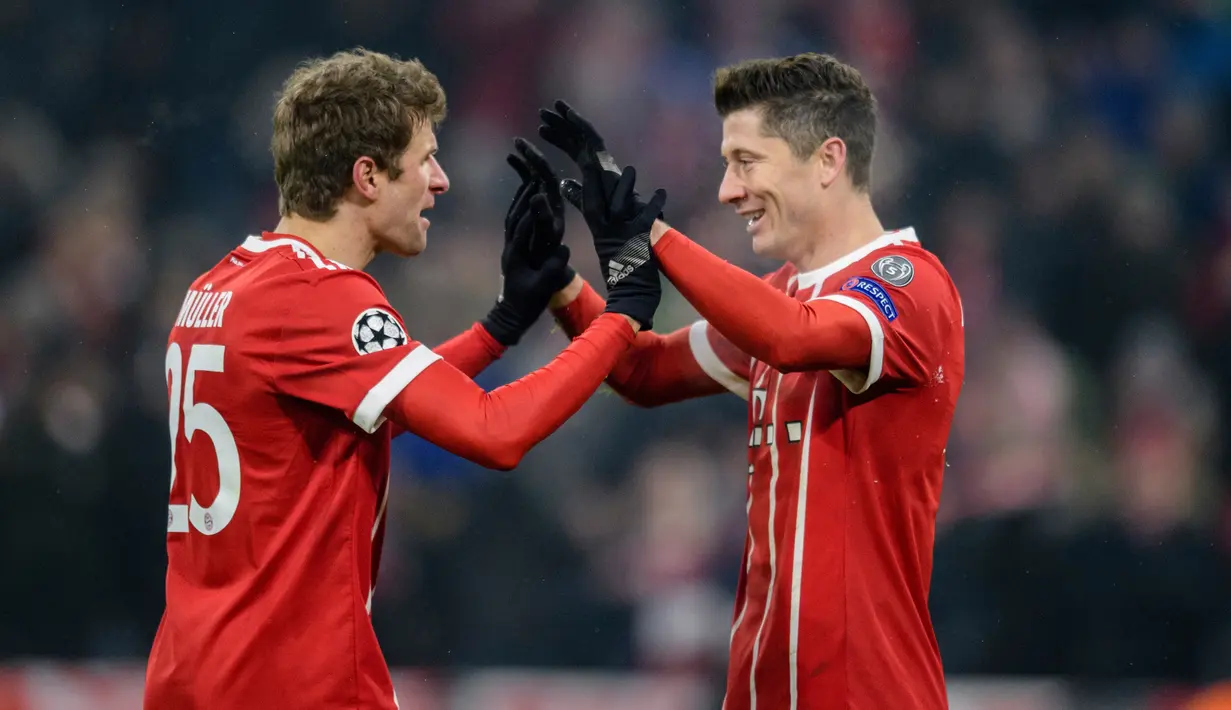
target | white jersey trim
x=380, y=518
x=752, y=546
x=815, y=278
x=302, y=249
x=773, y=545
x=797, y=562
x=855, y=381
x=709, y=361
x=369, y=415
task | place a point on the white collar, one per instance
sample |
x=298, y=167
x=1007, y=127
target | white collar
x=816, y=277
x=302, y=249
x=257, y=244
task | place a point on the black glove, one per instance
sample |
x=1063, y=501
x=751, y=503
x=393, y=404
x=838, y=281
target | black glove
x=572, y=133
x=621, y=226
x=534, y=262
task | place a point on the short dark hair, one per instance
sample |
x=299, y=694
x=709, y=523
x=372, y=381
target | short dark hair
x=335, y=110
x=806, y=99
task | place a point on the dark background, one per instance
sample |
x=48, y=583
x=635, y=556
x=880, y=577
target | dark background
x=1068, y=162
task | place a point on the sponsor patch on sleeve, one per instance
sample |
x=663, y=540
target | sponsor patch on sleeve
x=875, y=293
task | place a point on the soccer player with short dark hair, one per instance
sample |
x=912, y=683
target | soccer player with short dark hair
x=851, y=358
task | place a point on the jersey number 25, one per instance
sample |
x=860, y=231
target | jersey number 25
x=201, y=417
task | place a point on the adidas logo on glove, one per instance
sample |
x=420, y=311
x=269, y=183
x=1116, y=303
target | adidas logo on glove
x=636, y=253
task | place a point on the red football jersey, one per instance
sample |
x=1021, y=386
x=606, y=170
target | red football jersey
x=279, y=368
x=845, y=473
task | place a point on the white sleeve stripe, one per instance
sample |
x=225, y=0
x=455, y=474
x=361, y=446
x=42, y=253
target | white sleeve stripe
x=368, y=415
x=709, y=361
x=876, y=360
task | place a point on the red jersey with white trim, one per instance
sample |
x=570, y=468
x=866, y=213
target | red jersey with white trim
x=845, y=473
x=278, y=368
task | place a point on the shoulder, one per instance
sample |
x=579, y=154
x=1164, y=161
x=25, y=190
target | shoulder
x=298, y=282
x=288, y=262
x=343, y=283
x=903, y=267
x=899, y=265
x=292, y=293
x=341, y=303
x=903, y=282
x=325, y=312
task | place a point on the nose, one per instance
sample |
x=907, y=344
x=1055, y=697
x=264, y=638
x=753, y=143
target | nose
x=731, y=191
x=438, y=183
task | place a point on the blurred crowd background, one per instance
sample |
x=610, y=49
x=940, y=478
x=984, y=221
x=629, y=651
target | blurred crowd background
x=1067, y=160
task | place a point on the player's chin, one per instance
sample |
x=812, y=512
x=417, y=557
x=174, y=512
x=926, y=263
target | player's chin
x=764, y=245
x=413, y=243
x=418, y=236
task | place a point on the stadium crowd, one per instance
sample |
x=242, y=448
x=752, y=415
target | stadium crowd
x=1069, y=162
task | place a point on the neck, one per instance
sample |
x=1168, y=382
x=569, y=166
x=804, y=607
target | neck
x=341, y=238
x=851, y=224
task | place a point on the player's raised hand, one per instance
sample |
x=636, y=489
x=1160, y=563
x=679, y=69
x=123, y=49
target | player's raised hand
x=534, y=168
x=569, y=131
x=534, y=262
x=572, y=133
x=621, y=230
x=522, y=196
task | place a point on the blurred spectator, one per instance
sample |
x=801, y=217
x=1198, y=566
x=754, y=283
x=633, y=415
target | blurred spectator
x=1068, y=161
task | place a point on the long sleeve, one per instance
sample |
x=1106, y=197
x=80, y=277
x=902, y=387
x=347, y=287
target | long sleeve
x=495, y=429
x=787, y=334
x=657, y=369
x=471, y=351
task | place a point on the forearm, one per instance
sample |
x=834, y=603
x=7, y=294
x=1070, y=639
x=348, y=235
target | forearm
x=470, y=351
x=495, y=429
x=764, y=322
x=656, y=370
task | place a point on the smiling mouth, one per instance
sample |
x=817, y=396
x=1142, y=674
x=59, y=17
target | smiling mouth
x=754, y=218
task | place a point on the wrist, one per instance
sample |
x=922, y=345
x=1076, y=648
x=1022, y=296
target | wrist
x=633, y=306
x=568, y=294
x=505, y=324
x=658, y=230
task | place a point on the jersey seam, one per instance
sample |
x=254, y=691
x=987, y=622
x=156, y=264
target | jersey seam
x=846, y=592
x=354, y=617
x=264, y=362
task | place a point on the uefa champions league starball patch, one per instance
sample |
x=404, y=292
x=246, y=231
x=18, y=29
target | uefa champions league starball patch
x=377, y=329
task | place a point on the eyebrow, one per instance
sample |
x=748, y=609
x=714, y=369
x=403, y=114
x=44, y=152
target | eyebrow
x=737, y=152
